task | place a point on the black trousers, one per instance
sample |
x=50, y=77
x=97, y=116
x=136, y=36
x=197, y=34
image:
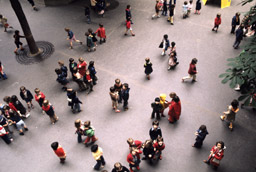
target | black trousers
x=233, y=29
x=100, y=162
x=6, y=139
x=32, y=2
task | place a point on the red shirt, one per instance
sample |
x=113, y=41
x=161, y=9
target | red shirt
x=101, y=32
x=42, y=96
x=128, y=24
x=217, y=21
x=160, y=148
x=82, y=68
x=12, y=107
x=130, y=158
x=192, y=69
x=174, y=109
x=88, y=78
x=60, y=152
x=46, y=108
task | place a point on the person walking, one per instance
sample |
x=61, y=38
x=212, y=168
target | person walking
x=97, y=153
x=39, y=96
x=4, y=23
x=200, y=136
x=148, y=68
x=171, y=14
x=128, y=27
x=59, y=151
x=239, y=36
x=166, y=44
x=230, y=114
x=33, y=5
x=101, y=33
x=71, y=38
x=165, y=8
x=128, y=13
x=17, y=42
x=157, y=9
x=217, y=23
x=235, y=22
x=93, y=72
x=89, y=42
x=192, y=71
x=198, y=6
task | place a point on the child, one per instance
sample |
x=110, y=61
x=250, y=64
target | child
x=190, y=6
x=148, y=68
x=114, y=97
x=71, y=38
x=164, y=103
x=118, y=87
x=192, y=71
x=81, y=66
x=159, y=146
x=198, y=6
x=93, y=72
x=3, y=21
x=27, y=96
x=172, y=61
x=5, y=135
x=171, y=14
x=39, y=96
x=72, y=65
x=101, y=33
x=89, y=132
x=63, y=68
x=166, y=44
x=2, y=74
x=73, y=100
x=148, y=151
x=59, y=151
x=230, y=114
x=174, y=110
x=128, y=27
x=157, y=9
x=125, y=95
x=155, y=131
x=185, y=9
x=134, y=144
x=217, y=22
x=88, y=81
x=133, y=159
x=17, y=42
x=61, y=79
x=14, y=118
x=19, y=106
x=97, y=153
x=79, y=130
x=49, y=110
x=200, y=136
x=164, y=12
x=156, y=108
x=89, y=42
x=87, y=14
x=173, y=47
x=93, y=35
x=78, y=78
x=118, y=167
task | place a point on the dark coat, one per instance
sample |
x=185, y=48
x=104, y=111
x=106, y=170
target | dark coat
x=239, y=34
x=125, y=94
x=64, y=70
x=71, y=67
x=62, y=79
x=234, y=22
x=155, y=133
x=198, y=5
x=128, y=14
x=148, y=151
x=200, y=138
x=19, y=106
x=148, y=68
x=156, y=107
x=28, y=98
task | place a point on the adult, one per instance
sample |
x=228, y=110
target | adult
x=174, y=110
x=235, y=22
x=239, y=36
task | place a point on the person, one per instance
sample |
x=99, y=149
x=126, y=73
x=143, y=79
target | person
x=49, y=110
x=230, y=114
x=3, y=22
x=157, y=107
x=93, y=35
x=148, y=68
x=63, y=68
x=73, y=100
x=97, y=153
x=155, y=131
x=235, y=21
x=71, y=38
x=101, y=5
x=78, y=78
x=118, y=167
x=185, y=9
x=134, y=144
x=216, y=154
x=79, y=130
x=200, y=136
x=128, y=13
x=72, y=65
x=5, y=135
x=125, y=96
x=148, y=151
x=118, y=87
x=164, y=104
x=17, y=42
x=159, y=147
x=39, y=96
x=165, y=8
x=157, y=9
x=174, y=110
x=192, y=71
x=33, y=5
x=93, y=72
x=128, y=27
x=166, y=44
x=19, y=106
x=101, y=33
x=114, y=97
x=4, y=121
x=171, y=14
x=239, y=36
x=198, y=6
x=59, y=151
x=14, y=118
x=26, y=95
x=2, y=73
x=93, y=4
x=133, y=159
x=81, y=66
x=190, y=6
x=90, y=133
x=217, y=23
x=88, y=81
x=172, y=62
x=89, y=42
x=87, y=14
x=173, y=48
x=61, y=78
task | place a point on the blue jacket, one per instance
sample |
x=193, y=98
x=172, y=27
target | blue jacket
x=234, y=22
x=239, y=34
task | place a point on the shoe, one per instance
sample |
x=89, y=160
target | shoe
x=193, y=80
x=125, y=34
x=21, y=133
x=182, y=80
x=131, y=170
x=162, y=115
x=172, y=24
x=22, y=49
x=117, y=111
x=15, y=52
x=222, y=118
x=27, y=115
x=26, y=129
x=35, y=9
x=125, y=109
x=212, y=29
x=205, y=161
x=138, y=168
x=81, y=43
x=169, y=68
x=133, y=34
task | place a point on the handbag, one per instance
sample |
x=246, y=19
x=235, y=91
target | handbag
x=161, y=45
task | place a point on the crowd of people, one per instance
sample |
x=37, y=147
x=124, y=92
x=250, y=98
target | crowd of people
x=13, y=112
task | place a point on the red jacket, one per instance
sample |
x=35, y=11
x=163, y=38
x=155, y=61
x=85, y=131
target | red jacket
x=192, y=69
x=82, y=68
x=42, y=96
x=12, y=107
x=218, y=154
x=101, y=32
x=60, y=152
x=46, y=108
x=128, y=24
x=130, y=158
x=159, y=148
x=137, y=144
x=175, y=110
x=217, y=21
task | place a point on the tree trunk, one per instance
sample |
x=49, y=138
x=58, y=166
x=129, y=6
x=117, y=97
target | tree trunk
x=25, y=27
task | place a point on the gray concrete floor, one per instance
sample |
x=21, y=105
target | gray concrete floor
x=123, y=57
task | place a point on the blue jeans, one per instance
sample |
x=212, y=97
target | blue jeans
x=4, y=76
x=100, y=162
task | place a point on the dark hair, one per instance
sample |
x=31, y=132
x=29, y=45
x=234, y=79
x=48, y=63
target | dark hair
x=173, y=44
x=58, y=71
x=78, y=123
x=148, y=144
x=22, y=88
x=101, y=25
x=176, y=99
x=126, y=85
x=220, y=142
x=112, y=89
x=91, y=63
x=71, y=59
x=117, y=165
x=87, y=123
x=128, y=6
x=128, y=19
x=235, y=104
x=157, y=99
x=194, y=61
x=14, y=98
x=185, y=2
x=203, y=128
x=17, y=32
x=90, y=30
x=116, y=80
x=86, y=34
x=94, y=148
x=7, y=99
x=0, y=63
x=160, y=138
x=155, y=123
x=37, y=90
x=165, y=36
x=55, y=145
x=1, y=16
